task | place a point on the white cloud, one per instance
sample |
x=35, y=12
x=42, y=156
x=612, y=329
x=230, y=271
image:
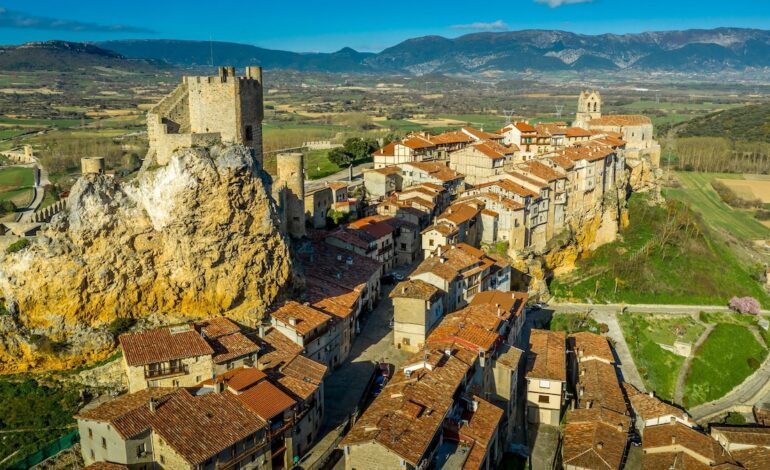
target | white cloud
x=481, y=26
x=558, y=3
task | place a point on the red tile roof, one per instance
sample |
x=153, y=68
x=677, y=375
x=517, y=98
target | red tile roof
x=306, y=318
x=163, y=344
x=266, y=400
x=547, y=355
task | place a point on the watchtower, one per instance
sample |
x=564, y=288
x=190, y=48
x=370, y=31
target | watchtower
x=225, y=108
x=291, y=175
x=92, y=165
x=589, y=107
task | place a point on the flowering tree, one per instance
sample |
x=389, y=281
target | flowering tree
x=745, y=305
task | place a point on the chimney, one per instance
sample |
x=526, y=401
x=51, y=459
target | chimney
x=673, y=440
x=262, y=331
x=219, y=386
x=153, y=404
x=620, y=427
x=599, y=445
x=447, y=352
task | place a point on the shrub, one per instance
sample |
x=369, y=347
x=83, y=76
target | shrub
x=604, y=328
x=17, y=246
x=735, y=419
x=6, y=207
x=745, y=305
x=762, y=214
x=753, y=363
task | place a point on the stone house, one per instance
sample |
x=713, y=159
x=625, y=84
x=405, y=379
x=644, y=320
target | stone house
x=417, y=307
x=666, y=445
x=481, y=161
x=368, y=237
x=523, y=136
x=652, y=411
x=546, y=376
x=463, y=271
x=749, y=445
x=317, y=333
x=317, y=204
x=404, y=211
x=436, y=173
x=448, y=142
x=465, y=219
x=424, y=417
x=413, y=148
x=406, y=239
x=436, y=236
x=182, y=356
x=595, y=438
x=150, y=429
x=381, y=182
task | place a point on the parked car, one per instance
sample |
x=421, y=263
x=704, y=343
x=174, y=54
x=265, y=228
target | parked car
x=397, y=276
x=385, y=369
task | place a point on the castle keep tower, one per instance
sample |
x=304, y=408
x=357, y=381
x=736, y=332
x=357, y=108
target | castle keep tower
x=589, y=107
x=291, y=177
x=203, y=111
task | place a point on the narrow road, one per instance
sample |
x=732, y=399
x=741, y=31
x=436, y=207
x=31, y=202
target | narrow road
x=679, y=388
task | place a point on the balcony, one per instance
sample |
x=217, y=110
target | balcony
x=165, y=372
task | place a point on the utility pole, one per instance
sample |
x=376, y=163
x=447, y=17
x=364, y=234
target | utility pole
x=559, y=109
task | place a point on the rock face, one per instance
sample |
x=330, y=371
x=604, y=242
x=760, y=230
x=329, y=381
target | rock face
x=194, y=238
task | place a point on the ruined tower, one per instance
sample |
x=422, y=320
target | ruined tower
x=203, y=111
x=589, y=107
x=92, y=165
x=291, y=177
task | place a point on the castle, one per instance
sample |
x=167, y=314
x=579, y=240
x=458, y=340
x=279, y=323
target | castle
x=226, y=109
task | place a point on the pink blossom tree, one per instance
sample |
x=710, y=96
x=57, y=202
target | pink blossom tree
x=745, y=305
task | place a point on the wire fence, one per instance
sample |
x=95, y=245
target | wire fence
x=51, y=449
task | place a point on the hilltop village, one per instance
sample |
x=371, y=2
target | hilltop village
x=405, y=339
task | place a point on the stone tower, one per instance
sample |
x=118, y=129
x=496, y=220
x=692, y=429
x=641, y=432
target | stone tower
x=291, y=177
x=589, y=107
x=203, y=111
x=92, y=165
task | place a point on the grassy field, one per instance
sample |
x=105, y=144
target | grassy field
x=16, y=184
x=575, y=322
x=667, y=330
x=719, y=358
x=697, y=192
x=659, y=368
x=692, y=266
x=317, y=164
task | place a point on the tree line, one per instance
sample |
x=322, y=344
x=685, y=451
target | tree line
x=719, y=154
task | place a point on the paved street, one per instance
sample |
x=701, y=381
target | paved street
x=344, y=389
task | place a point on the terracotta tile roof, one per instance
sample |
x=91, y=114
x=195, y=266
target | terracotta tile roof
x=551, y=128
x=509, y=356
x=373, y=225
x=457, y=260
x=442, y=228
x=648, y=406
x=340, y=267
x=302, y=376
x=479, y=134
x=519, y=177
x=416, y=289
x=216, y=327
x=590, y=151
x=229, y=347
x=337, y=185
x=409, y=412
x=481, y=429
x=128, y=414
x=163, y=344
x=594, y=439
x=547, y=355
x=488, y=198
x=433, y=186
x=598, y=386
x=745, y=435
x=587, y=345
x=620, y=120
x=542, y=171
x=490, y=213
x=493, y=149
x=509, y=186
x=386, y=151
x=305, y=318
x=757, y=458
x=512, y=302
x=524, y=127
x=473, y=327
x=436, y=170
x=266, y=400
x=459, y=213
x=575, y=132
x=330, y=298
x=673, y=461
x=238, y=379
x=452, y=137
x=686, y=439
x=562, y=161
x=276, y=350
x=416, y=142
x=196, y=427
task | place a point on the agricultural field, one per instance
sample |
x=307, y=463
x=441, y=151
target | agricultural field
x=16, y=185
x=698, y=193
x=750, y=187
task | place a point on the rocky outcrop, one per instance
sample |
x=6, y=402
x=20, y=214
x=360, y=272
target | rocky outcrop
x=643, y=175
x=194, y=238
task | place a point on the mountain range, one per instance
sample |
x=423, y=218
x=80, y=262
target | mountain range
x=711, y=50
x=540, y=50
x=65, y=56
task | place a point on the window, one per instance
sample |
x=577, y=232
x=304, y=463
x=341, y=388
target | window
x=90, y=433
x=545, y=384
x=230, y=365
x=309, y=438
x=104, y=443
x=430, y=242
x=249, y=133
x=92, y=455
x=197, y=379
x=162, y=460
x=174, y=383
x=543, y=399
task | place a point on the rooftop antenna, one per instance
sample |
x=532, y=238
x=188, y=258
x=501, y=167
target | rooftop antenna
x=508, y=115
x=559, y=109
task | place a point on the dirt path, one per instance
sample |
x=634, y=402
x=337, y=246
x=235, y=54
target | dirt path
x=625, y=360
x=679, y=388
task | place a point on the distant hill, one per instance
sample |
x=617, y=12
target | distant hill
x=200, y=53
x=710, y=50
x=747, y=123
x=66, y=56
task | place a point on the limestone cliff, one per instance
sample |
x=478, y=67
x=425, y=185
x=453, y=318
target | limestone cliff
x=193, y=238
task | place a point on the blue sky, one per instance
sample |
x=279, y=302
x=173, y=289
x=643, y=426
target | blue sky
x=330, y=25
